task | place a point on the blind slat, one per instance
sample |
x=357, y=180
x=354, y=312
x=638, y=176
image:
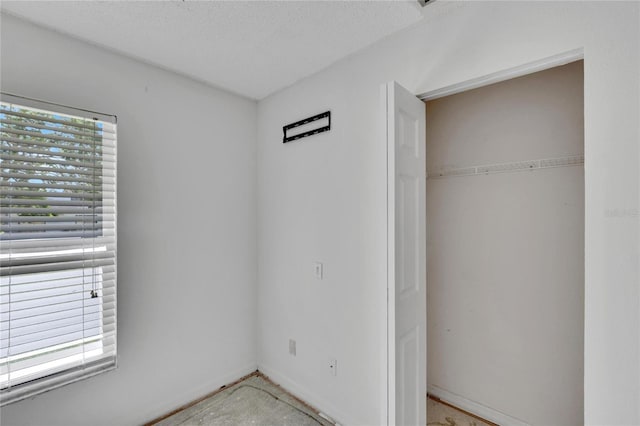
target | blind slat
x=91, y=260
x=10, y=219
x=94, y=194
x=60, y=334
x=89, y=140
x=57, y=210
x=53, y=320
x=106, y=127
x=31, y=124
x=71, y=279
x=58, y=234
x=103, y=149
x=23, y=168
x=55, y=266
x=16, y=161
x=77, y=186
x=38, y=296
x=25, y=148
x=54, y=201
x=27, y=317
x=43, y=228
x=76, y=180
x=37, y=247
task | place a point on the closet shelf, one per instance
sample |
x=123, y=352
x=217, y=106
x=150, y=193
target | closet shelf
x=516, y=166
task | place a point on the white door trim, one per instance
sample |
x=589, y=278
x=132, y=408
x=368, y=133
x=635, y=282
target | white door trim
x=508, y=74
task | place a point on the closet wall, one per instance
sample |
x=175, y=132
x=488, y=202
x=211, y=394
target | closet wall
x=505, y=268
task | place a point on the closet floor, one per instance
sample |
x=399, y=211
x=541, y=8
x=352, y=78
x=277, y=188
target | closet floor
x=442, y=414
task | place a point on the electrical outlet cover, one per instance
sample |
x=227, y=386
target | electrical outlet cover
x=333, y=367
x=318, y=269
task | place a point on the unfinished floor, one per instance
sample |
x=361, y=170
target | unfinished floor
x=252, y=401
x=256, y=400
x=441, y=413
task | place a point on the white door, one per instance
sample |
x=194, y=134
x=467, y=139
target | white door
x=406, y=280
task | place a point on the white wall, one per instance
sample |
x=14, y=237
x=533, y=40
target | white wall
x=323, y=198
x=505, y=270
x=187, y=228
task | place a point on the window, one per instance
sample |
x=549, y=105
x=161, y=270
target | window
x=57, y=246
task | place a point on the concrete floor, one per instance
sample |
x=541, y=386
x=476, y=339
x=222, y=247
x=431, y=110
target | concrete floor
x=258, y=401
x=253, y=401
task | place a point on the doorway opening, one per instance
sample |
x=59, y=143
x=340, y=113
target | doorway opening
x=505, y=247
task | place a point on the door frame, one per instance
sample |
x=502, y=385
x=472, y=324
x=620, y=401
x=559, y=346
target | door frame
x=553, y=61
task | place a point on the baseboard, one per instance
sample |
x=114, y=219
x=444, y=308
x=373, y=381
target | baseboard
x=475, y=407
x=201, y=391
x=310, y=398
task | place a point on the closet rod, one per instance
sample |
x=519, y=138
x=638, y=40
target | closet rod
x=517, y=166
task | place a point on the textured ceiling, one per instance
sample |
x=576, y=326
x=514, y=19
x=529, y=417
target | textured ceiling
x=250, y=48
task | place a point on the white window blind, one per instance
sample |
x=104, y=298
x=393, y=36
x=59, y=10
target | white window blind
x=57, y=246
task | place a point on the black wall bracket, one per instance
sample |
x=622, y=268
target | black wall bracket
x=286, y=129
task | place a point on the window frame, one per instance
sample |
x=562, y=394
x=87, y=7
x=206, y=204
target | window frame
x=74, y=251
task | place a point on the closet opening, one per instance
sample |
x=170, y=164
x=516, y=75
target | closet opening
x=505, y=248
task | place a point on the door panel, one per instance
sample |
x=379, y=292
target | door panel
x=408, y=266
x=406, y=280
